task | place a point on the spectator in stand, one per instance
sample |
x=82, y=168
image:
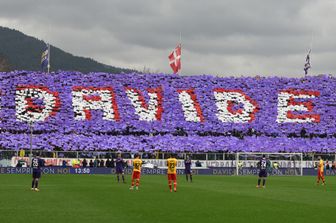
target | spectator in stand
x=333, y=165
x=101, y=163
x=91, y=164
x=198, y=163
x=112, y=163
x=96, y=162
x=108, y=163
x=315, y=165
x=64, y=163
x=75, y=163
x=22, y=153
x=84, y=163
x=240, y=164
x=276, y=165
x=21, y=163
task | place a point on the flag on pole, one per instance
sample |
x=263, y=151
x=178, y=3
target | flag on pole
x=175, y=59
x=307, y=65
x=45, y=58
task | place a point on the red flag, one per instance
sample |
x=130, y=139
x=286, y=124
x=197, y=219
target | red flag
x=175, y=59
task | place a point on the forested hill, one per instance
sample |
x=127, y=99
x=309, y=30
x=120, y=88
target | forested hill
x=21, y=52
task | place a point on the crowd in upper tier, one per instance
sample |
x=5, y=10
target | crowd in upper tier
x=151, y=112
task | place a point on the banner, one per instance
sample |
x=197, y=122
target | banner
x=162, y=163
x=146, y=171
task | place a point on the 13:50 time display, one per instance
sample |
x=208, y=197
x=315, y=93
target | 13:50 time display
x=82, y=170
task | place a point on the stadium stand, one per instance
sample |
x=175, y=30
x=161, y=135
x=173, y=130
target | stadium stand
x=151, y=112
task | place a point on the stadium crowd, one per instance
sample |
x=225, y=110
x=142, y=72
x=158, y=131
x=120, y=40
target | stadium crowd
x=166, y=113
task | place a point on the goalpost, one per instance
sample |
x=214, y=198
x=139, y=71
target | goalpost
x=288, y=164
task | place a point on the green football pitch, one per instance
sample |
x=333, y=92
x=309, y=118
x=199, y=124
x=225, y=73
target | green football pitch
x=99, y=198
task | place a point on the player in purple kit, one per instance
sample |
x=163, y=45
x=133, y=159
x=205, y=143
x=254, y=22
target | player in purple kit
x=187, y=166
x=120, y=168
x=263, y=166
x=36, y=164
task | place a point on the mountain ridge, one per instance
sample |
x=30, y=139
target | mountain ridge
x=19, y=51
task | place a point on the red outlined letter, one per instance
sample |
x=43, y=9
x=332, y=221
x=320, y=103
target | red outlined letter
x=27, y=108
x=191, y=108
x=85, y=99
x=287, y=106
x=151, y=111
x=225, y=101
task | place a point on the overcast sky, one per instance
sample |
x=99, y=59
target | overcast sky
x=220, y=37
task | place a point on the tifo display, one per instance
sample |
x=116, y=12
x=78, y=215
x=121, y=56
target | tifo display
x=150, y=112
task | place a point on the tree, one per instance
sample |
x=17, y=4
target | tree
x=4, y=65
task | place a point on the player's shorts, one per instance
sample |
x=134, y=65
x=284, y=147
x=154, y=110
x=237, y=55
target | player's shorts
x=262, y=173
x=171, y=176
x=320, y=173
x=136, y=175
x=36, y=174
x=119, y=170
x=187, y=171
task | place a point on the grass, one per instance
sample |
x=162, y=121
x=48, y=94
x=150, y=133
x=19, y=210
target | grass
x=98, y=198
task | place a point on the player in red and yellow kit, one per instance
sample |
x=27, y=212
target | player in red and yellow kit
x=171, y=164
x=320, y=171
x=137, y=162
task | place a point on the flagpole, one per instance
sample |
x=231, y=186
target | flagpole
x=48, y=58
x=48, y=35
x=311, y=48
x=307, y=64
x=311, y=42
x=180, y=71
